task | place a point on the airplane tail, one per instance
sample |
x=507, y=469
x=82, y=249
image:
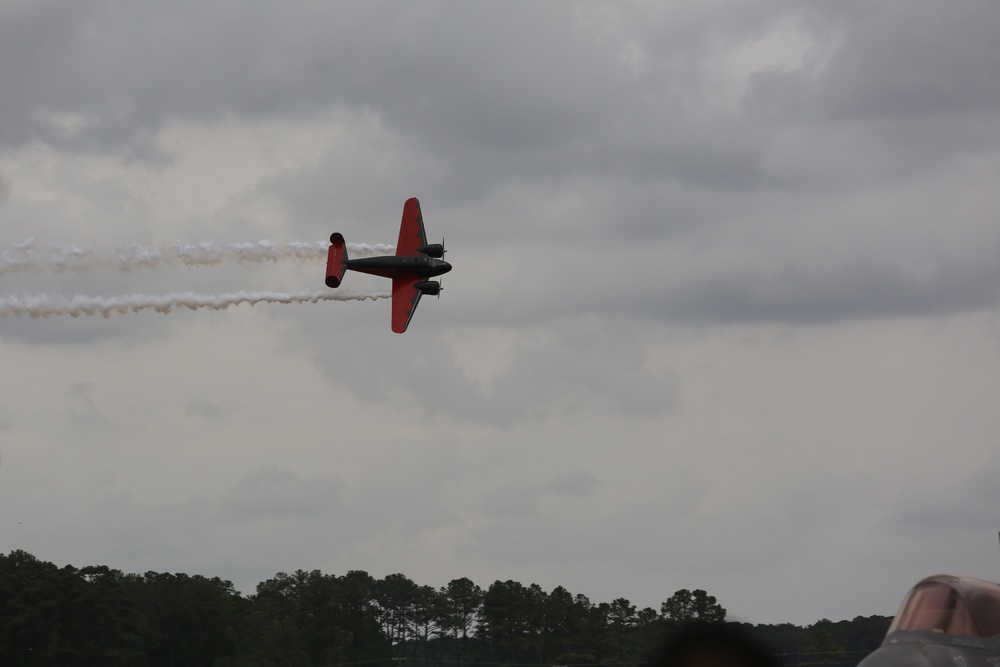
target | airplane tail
x=336, y=260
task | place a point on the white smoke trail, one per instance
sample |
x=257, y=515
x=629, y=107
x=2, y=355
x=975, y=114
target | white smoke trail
x=47, y=305
x=133, y=256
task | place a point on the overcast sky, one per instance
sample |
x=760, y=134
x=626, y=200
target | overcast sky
x=724, y=311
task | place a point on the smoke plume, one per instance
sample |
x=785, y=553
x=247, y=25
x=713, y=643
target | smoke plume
x=47, y=305
x=128, y=257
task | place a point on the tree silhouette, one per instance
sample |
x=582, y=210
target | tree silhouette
x=685, y=606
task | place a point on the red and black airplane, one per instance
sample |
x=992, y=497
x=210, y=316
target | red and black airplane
x=410, y=268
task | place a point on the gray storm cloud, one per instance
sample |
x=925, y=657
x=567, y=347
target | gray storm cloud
x=720, y=267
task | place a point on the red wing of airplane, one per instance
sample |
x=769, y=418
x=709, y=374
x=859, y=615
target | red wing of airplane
x=405, y=297
x=411, y=230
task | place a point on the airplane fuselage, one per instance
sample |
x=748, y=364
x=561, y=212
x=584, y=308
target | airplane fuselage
x=927, y=648
x=389, y=266
x=944, y=621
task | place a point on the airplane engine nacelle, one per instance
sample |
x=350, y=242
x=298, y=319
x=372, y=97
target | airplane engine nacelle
x=429, y=287
x=432, y=250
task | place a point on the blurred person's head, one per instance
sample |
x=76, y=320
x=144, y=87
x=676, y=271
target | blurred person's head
x=712, y=645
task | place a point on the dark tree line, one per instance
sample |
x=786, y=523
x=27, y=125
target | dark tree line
x=99, y=616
